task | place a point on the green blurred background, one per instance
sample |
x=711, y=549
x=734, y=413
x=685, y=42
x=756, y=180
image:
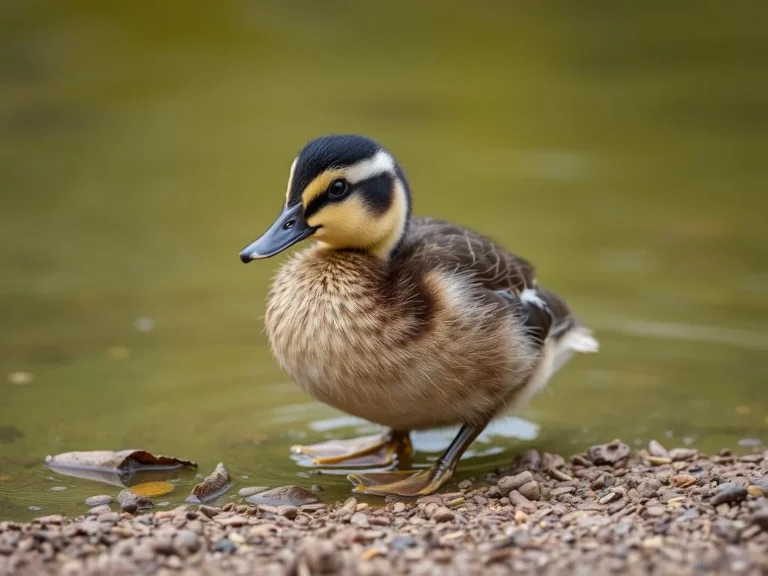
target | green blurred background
x=620, y=146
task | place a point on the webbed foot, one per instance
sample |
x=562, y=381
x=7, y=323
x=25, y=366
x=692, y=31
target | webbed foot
x=407, y=483
x=375, y=450
x=412, y=483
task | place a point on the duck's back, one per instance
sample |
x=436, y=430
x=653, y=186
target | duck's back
x=432, y=243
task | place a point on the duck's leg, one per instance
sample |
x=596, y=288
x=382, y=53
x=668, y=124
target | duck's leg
x=422, y=482
x=375, y=450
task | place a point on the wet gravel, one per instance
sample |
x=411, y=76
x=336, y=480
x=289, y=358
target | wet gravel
x=602, y=512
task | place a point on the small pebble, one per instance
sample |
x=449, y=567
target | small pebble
x=209, y=511
x=658, y=460
x=682, y=454
x=52, y=519
x=288, y=511
x=349, y=507
x=755, y=491
x=610, y=497
x=185, y=542
x=144, y=552
x=521, y=502
x=251, y=490
x=100, y=509
x=493, y=492
x=530, y=490
x=163, y=544
x=656, y=449
x=109, y=517
x=98, y=500
x=360, y=519
x=443, y=514
x=750, y=442
x=284, y=495
x=683, y=480
x=728, y=494
x=610, y=453
x=225, y=545
x=760, y=518
x=130, y=502
x=509, y=483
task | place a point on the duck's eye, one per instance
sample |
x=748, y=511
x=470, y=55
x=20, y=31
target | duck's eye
x=338, y=188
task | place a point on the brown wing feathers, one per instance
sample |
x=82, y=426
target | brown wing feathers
x=431, y=243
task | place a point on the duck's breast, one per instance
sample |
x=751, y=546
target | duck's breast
x=336, y=331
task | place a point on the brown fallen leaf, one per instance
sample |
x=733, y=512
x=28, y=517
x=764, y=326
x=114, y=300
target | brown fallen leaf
x=108, y=466
x=214, y=485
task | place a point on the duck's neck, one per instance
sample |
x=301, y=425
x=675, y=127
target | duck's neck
x=397, y=218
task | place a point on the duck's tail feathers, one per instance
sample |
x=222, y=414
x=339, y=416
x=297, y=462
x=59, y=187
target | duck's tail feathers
x=576, y=339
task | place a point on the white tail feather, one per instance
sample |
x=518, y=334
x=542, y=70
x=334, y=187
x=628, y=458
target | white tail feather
x=580, y=339
x=577, y=339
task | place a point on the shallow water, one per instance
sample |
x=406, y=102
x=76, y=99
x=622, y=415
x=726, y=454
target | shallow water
x=621, y=148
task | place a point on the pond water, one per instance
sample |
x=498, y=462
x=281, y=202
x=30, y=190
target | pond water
x=620, y=147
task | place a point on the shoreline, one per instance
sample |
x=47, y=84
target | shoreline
x=605, y=511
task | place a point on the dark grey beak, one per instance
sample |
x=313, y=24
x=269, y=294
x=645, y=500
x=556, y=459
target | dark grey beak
x=289, y=228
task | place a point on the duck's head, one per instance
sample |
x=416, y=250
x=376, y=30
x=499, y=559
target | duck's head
x=346, y=192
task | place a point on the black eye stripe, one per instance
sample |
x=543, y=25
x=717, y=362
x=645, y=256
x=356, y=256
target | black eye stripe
x=315, y=205
x=376, y=192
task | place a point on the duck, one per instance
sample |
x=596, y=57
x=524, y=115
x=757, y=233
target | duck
x=407, y=322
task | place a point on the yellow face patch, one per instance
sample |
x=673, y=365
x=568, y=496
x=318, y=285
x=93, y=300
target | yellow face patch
x=352, y=224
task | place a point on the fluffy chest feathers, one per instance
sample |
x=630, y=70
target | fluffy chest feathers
x=401, y=350
x=325, y=306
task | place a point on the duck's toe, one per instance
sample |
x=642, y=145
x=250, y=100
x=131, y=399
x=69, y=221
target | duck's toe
x=407, y=483
x=374, y=450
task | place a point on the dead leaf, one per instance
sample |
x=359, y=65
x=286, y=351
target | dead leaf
x=4, y=478
x=152, y=489
x=214, y=485
x=110, y=467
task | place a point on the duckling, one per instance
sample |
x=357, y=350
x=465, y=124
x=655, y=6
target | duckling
x=404, y=321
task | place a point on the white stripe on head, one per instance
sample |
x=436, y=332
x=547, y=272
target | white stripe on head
x=378, y=164
x=290, y=179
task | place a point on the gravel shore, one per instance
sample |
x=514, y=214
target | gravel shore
x=601, y=512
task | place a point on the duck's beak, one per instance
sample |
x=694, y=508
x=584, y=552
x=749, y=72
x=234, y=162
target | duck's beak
x=289, y=228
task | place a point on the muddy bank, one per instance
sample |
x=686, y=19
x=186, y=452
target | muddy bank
x=602, y=512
